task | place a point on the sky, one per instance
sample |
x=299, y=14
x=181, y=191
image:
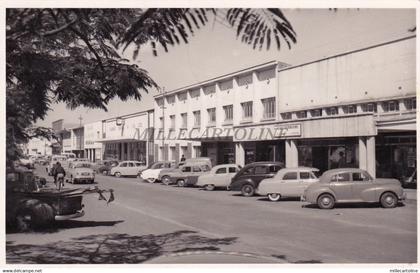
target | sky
x=214, y=51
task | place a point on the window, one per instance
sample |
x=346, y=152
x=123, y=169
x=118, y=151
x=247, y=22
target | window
x=197, y=151
x=390, y=106
x=410, y=104
x=209, y=90
x=332, y=111
x=131, y=164
x=226, y=85
x=170, y=99
x=307, y=175
x=123, y=165
x=212, y=115
x=138, y=164
x=360, y=177
x=261, y=170
x=221, y=170
x=161, y=122
x=290, y=176
x=186, y=169
x=248, y=171
x=205, y=168
x=233, y=170
x=316, y=113
x=369, y=107
x=228, y=112
x=196, y=169
x=302, y=114
x=269, y=107
x=340, y=177
x=286, y=116
x=184, y=120
x=182, y=96
x=172, y=122
x=195, y=93
x=245, y=80
x=197, y=118
x=246, y=110
x=350, y=109
x=274, y=169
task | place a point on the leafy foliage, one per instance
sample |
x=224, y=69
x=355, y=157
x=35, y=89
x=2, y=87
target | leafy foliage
x=72, y=55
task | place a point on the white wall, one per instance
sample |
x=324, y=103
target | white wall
x=371, y=74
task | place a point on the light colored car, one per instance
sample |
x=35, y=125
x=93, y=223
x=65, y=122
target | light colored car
x=164, y=177
x=349, y=185
x=187, y=175
x=220, y=176
x=288, y=182
x=127, y=168
x=151, y=174
x=80, y=172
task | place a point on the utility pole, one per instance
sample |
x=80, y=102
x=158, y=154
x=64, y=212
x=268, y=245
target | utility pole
x=80, y=136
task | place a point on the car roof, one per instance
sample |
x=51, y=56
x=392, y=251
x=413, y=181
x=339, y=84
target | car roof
x=297, y=169
x=225, y=165
x=264, y=163
x=338, y=170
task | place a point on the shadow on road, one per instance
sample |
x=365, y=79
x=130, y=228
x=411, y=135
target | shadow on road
x=351, y=206
x=113, y=248
x=68, y=224
x=286, y=199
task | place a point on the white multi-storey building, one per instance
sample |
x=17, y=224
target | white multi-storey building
x=356, y=109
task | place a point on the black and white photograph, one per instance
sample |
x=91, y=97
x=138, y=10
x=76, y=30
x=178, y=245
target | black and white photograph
x=184, y=135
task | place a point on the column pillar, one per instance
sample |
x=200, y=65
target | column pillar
x=239, y=154
x=371, y=155
x=362, y=153
x=291, y=154
x=118, y=150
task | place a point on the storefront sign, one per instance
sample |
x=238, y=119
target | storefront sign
x=287, y=130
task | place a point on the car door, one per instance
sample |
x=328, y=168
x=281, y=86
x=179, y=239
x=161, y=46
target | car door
x=289, y=184
x=305, y=179
x=221, y=177
x=122, y=168
x=362, y=187
x=196, y=172
x=341, y=185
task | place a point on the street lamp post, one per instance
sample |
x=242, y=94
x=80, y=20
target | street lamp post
x=162, y=91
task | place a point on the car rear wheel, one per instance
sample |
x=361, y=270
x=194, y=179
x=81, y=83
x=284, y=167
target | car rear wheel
x=117, y=174
x=274, y=197
x=38, y=215
x=326, y=201
x=180, y=183
x=166, y=180
x=247, y=190
x=151, y=180
x=209, y=187
x=389, y=200
x=105, y=172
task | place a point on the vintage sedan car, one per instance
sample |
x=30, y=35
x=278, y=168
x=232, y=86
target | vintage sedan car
x=188, y=174
x=248, y=178
x=220, y=176
x=80, y=172
x=104, y=166
x=288, y=182
x=127, y=168
x=151, y=174
x=349, y=185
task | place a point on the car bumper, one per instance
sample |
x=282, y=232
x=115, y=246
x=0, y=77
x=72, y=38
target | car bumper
x=69, y=216
x=84, y=179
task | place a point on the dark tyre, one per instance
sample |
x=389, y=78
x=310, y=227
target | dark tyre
x=181, y=183
x=326, y=201
x=247, y=190
x=274, y=197
x=389, y=200
x=209, y=187
x=117, y=174
x=39, y=215
x=105, y=172
x=166, y=180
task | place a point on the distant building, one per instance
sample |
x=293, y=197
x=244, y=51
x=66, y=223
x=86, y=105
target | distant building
x=38, y=146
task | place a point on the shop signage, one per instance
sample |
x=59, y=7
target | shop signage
x=287, y=130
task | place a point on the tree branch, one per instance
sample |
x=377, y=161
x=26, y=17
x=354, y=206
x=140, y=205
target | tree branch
x=57, y=30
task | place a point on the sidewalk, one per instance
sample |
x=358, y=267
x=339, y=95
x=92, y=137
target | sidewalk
x=411, y=194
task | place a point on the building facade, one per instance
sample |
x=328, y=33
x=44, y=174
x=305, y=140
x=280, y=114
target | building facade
x=356, y=109
x=92, y=138
x=128, y=137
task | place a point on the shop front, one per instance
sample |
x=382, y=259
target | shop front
x=125, y=150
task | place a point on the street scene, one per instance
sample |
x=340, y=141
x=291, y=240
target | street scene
x=211, y=136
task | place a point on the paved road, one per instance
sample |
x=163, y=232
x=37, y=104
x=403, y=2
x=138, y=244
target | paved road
x=164, y=224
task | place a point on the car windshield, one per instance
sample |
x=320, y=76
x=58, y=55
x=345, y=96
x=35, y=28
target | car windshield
x=82, y=165
x=205, y=168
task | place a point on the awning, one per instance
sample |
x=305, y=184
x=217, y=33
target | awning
x=116, y=140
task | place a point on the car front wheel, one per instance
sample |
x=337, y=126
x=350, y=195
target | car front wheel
x=181, y=183
x=389, y=200
x=117, y=174
x=326, y=201
x=274, y=197
x=209, y=187
x=247, y=190
x=166, y=180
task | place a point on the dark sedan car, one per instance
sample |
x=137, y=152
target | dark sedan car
x=248, y=178
x=349, y=185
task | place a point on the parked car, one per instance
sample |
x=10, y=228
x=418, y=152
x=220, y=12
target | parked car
x=104, y=166
x=288, y=182
x=187, y=174
x=151, y=174
x=127, y=168
x=248, y=178
x=80, y=172
x=220, y=176
x=353, y=185
x=163, y=174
